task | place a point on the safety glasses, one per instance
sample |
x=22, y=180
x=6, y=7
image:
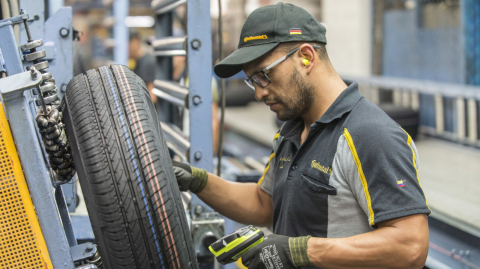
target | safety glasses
x=261, y=79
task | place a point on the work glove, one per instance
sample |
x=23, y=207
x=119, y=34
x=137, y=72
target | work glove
x=190, y=178
x=278, y=252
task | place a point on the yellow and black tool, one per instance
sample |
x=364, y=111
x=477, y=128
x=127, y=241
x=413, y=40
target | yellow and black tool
x=231, y=247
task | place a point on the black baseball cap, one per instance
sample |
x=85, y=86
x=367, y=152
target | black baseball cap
x=267, y=27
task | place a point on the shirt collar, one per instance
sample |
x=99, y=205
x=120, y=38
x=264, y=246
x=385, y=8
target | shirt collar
x=343, y=104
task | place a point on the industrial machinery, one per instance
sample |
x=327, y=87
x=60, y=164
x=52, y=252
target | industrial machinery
x=37, y=156
x=37, y=161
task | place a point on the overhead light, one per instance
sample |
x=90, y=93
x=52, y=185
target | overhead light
x=139, y=21
x=410, y=4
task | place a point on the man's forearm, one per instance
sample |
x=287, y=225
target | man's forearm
x=386, y=247
x=238, y=201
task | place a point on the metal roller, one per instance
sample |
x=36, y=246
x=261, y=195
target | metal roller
x=52, y=148
x=49, y=118
x=52, y=99
x=60, y=153
x=53, y=135
x=56, y=160
x=48, y=87
x=50, y=80
x=65, y=172
x=96, y=260
x=40, y=66
x=31, y=45
x=34, y=56
x=65, y=165
x=46, y=76
x=49, y=143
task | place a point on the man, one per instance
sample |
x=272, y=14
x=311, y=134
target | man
x=341, y=187
x=142, y=63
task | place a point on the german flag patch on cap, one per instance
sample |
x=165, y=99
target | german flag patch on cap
x=295, y=31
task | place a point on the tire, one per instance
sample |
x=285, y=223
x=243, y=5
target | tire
x=125, y=172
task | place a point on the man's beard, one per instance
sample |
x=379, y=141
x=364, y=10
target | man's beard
x=300, y=103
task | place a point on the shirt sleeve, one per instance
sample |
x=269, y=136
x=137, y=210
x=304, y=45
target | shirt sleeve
x=380, y=164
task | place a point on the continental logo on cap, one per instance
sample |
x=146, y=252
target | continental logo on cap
x=255, y=38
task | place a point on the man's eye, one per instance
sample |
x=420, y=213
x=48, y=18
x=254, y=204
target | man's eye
x=261, y=75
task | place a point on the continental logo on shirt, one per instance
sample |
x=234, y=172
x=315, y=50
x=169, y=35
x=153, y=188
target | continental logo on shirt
x=255, y=38
x=326, y=170
x=284, y=159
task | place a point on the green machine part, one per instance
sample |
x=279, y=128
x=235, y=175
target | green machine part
x=231, y=247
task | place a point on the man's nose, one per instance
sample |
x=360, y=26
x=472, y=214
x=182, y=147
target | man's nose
x=260, y=93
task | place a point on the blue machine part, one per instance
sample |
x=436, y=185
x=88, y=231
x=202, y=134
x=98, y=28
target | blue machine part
x=82, y=228
x=420, y=53
x=199, y=58
x=58, y=34
x=471, y=22
x=2, y=62
x=12, y=61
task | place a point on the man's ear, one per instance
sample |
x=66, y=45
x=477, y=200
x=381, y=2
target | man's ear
x=307, y=57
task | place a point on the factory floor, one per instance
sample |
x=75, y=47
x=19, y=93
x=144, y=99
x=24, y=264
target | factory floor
x=449, y=173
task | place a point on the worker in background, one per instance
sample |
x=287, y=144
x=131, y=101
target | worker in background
x=141, y=62
x=81, y=49
x=341, y=188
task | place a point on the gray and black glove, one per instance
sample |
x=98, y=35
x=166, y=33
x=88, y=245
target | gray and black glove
x=190, y=178
x=278, y=252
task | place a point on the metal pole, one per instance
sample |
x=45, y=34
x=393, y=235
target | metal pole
x=163, y=28
x=200, y=85
x=222, y=87
x=54, y=5
x=120, y=32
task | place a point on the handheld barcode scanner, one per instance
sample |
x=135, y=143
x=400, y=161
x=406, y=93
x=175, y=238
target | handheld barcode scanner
x=231, y=247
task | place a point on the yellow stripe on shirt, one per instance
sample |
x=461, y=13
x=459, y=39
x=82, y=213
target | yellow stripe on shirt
x=266, y=169
x=409, y=142
x=269, y=161
x=349, y=139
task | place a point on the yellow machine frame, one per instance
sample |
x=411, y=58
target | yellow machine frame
x=21, y=240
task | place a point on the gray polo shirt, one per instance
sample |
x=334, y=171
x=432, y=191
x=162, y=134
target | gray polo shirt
x=356, y=168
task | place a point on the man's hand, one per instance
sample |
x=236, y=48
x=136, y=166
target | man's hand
x=190, y=178
x=278, y=252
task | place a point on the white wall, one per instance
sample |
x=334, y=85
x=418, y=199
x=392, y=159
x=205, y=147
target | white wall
x=349, y=35
x=312, y=6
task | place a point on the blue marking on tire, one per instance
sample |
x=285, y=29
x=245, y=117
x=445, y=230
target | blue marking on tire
x=135, y=165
